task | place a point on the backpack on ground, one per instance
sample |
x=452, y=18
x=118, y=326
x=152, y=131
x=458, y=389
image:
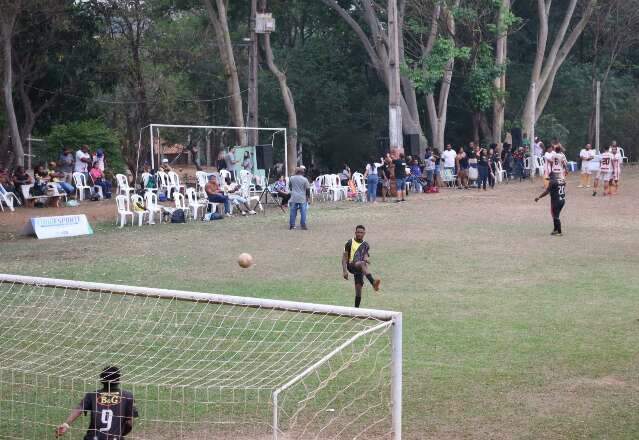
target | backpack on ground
x=178, y=216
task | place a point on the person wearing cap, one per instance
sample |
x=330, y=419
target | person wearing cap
x=165, y=165
x=300, y=194
x=65, y=164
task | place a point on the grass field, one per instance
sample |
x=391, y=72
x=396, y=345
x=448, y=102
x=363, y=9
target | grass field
x=509, y=333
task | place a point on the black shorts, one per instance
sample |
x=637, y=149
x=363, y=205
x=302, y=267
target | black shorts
x=357, y=273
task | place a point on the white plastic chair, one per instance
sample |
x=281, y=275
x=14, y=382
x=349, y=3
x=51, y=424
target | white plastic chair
x=181, y=204
x=449, y=177
x=151, y=203
x=122, y=202
x=7, y=198
x=245, y=191
x=194, y=204
x=623, y=155
x=202, y=180
x=174, y=181
x=358, y=178
x=539, y=165
x=500, y=173
x=80, y=182
x=145, y=180
x=135, y=199
x=334, y=187
x=123, y=185
x=225, y=174
x=163, y=182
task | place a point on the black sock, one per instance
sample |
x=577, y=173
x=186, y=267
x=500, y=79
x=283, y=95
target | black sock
x=358, y=300
x=559, y=226
x=370, y=278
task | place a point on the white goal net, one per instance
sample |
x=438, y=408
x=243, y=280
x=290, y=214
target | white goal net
x=199, y=366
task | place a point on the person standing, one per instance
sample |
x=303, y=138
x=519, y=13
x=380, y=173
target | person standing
x=449, y=157
x=355, y=260
x=300, y=194
x=462, y=168
x=483, y=168
x=617, y=159
x=230, y=161
x=372, y=179
x=605, y=172
x=559, y=164
x=557, y=190
x=65, y=162
x=111, y=410
x=586, y=155
x=400, y=177
x=83, y=161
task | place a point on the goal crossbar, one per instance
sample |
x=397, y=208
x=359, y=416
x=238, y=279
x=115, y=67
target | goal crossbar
x=387, y=318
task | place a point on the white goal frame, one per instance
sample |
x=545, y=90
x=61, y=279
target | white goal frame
x=275, y=130
x=388, y=318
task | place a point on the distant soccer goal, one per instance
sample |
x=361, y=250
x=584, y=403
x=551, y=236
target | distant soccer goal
x=199, y=365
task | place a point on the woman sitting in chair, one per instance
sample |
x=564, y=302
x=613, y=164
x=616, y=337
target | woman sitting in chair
x=282, y=190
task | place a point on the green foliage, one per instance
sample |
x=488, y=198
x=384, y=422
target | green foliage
x=429, y=70
x=479, y=84
x=93, y=133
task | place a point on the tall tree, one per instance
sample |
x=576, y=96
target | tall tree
x=217, y=13
x=504, y=19
x=10, y=11
x=547, y=62
x=376, y=44
x=287, y=96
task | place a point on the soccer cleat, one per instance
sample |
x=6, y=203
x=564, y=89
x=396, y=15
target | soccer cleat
x=594, y=193
x=291, y=227
x=251, y=212
x=376, y=284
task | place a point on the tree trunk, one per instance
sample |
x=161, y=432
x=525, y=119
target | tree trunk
x=545, y=67
x=501, y=49
x=220, y=24
x=287, y=97
x=476, y=137
x=484, y=127
x=6, y=29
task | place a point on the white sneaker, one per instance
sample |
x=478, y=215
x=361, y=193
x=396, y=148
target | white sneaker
x=228, y=214
x=243, y=214
x=251, y=212
x=580, y=186
x=587, y=186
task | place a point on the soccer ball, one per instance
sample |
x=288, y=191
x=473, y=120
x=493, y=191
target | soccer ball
x=245, y=260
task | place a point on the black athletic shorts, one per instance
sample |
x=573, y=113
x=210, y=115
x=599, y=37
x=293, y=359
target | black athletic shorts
x=357, y=273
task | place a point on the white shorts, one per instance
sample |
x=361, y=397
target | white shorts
x=606, y=176
x=585, y=168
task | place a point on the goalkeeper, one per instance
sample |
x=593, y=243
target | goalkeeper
x=111, y=410
x=355, y=261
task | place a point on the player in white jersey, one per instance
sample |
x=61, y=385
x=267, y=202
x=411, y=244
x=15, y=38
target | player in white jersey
x=548, y=164
x=586, y=155
x=617, y=159
x=605, y=172
x=558, y=162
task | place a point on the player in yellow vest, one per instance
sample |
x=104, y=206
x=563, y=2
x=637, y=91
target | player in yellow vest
x=355, y=261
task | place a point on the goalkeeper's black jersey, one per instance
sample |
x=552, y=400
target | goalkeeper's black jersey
x=108, y=411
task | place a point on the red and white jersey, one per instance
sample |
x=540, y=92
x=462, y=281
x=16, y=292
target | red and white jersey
x=606, y=162
x=548, y=157
x=616, y=164
x=558, y=163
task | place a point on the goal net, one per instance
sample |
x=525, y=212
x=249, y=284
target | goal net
x=199, y=366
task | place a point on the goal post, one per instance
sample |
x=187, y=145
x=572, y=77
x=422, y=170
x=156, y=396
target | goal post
x=273, y=130
x=199, y=365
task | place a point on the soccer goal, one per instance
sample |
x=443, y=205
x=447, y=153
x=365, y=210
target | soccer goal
x=199, y=136
x=199, y=365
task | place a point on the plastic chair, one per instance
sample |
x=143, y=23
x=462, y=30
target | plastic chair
x=122, y=202
x=7, y=198
x=163, y=182
x=181, y=204
x=145, y=180
x=194, y=204
x=623, y=155
x=123, y=185
x=174, y=181
x=245, y=191
x=137, y=199
x=449, y=177
x=151, y=203
x=80, y=182
x=500, y=173
x=202, y=179
x=360, y=185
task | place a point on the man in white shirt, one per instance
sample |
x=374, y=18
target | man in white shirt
x=548, y=159
x=586, y=155
x=82, y=160
x=538, y=148
x=617, y=159
x=449, y=156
